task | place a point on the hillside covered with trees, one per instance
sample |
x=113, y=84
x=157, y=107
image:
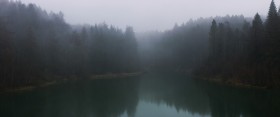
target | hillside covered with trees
x=36, y=46
x=183, y=48
x=230, y=49
x=248, y=56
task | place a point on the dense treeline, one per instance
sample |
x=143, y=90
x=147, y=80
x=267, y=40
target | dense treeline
x=232, y=49
x=36, y=46
x=185, y=47
x=250, y=55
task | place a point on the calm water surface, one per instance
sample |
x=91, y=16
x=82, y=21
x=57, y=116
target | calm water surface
x=149, y=95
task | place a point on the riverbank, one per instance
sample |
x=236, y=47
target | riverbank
x=67, y=79
x=239, y=75
x=232, y=82
x=114, y=76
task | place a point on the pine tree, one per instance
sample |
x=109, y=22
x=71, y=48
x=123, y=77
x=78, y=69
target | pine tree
x=229, y=41
x=52, y=52
x=272, y=22
x=219, y=43
x=272, y=45
x=31, y=59
x=131, y=48
x=257, y=37
x=6, y=55
x=213, y=39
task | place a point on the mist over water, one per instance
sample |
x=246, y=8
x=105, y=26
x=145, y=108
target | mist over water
x=99, y=58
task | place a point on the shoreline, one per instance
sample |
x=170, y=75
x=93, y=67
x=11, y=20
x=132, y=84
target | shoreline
x=232, y=83
x=67, y=79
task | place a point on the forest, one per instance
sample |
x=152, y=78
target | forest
x=37, y=46
x=248, y=56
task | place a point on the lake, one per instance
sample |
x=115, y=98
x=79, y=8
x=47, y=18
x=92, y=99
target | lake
x=148, y=95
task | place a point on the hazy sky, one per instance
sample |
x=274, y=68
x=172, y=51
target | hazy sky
x=145, y=15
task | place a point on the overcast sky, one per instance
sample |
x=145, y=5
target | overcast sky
x=146, y=15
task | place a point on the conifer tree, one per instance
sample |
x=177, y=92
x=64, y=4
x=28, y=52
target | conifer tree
x=6, y=54
x=272, y=48
x=31, y=56
x=219, y=48
x=272, y=22
x=213, y=39
x=257, y=37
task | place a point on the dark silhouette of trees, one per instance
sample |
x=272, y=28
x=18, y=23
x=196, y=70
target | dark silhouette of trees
x=212, y=40
x=36, y=46
x=185, y=47
x=272, y=50
x=257, y=38
x=250, y=54
x=131, y=48
x=6, y=56
x=30, y=55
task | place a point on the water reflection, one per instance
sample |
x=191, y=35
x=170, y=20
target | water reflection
x=154, y=95
x=101, y=98
x=176, y=91
x=234, y=102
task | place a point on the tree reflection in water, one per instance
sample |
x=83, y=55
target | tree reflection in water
x=122, y=97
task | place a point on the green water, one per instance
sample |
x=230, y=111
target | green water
x=149, y=95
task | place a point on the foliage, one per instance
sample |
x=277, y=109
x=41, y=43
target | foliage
x=36, y=46
x=250, y=55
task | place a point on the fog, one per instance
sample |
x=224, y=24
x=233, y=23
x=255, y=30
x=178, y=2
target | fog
x=146, y=15
x=158, y=52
